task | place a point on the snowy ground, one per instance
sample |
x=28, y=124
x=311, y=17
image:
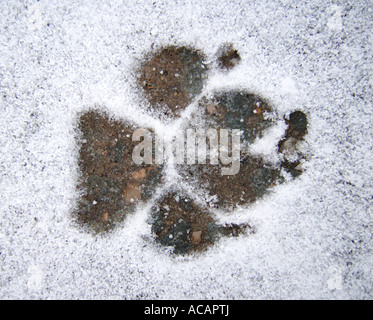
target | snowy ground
x=314, y=235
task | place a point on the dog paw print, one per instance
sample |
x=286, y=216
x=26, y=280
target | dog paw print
x=221, y=173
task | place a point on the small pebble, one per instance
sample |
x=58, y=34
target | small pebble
x=196, y=237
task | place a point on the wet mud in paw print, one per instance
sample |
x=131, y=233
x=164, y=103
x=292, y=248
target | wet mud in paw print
x=236, y=110
x=180, y=223
x=251, y=115
x=112, y=185
x=253, y=181
x=288, y=146
x=228, y=57
x=172, y=77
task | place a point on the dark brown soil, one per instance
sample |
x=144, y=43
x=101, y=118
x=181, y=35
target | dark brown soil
x=172, y=77
x=237, y=110
x=228, y=57
x=295, y=132
x=180, y=223
x=252, y=182
x=297, y=125
x=246, y=112
x=111, y=183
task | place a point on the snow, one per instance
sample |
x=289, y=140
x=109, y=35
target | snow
x=313, y=235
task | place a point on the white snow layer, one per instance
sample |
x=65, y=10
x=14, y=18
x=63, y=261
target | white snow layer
x=314, y=234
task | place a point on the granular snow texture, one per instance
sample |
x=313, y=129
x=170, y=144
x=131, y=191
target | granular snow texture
x=313, y=235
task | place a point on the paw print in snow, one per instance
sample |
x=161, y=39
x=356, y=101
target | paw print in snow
x=111, y=185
